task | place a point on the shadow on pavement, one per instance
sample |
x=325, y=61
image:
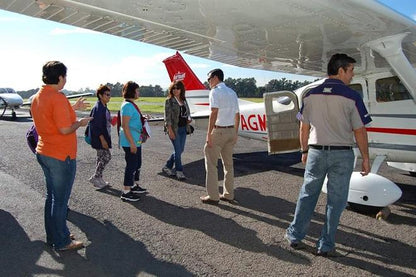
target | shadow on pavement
x=374, y=247
x=19, y=255
x=245, y=164
x=117, y=254
x=221, y=229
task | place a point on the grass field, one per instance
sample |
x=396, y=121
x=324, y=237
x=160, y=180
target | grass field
x=149, y=105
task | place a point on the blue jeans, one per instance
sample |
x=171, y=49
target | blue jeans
x=338, y=166
x=59, y=177
x=133, y=165
x=178, y=148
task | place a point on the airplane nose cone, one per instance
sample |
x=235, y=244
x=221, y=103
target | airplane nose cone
x=371, y=190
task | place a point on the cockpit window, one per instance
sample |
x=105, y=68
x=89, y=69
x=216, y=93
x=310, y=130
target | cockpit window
x=391, y=89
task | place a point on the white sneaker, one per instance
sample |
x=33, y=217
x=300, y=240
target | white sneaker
x=180, y=175
x=97, y=182
x=168, y=171
x=104, y=182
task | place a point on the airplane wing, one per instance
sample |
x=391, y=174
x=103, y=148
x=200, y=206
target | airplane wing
x=70, y=96
x=297, y=37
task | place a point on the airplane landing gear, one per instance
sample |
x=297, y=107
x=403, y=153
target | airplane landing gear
x=3, y=106
x=383, y=213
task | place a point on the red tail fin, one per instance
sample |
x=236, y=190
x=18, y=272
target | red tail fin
x=179, y=70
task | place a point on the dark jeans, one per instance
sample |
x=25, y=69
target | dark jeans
x=59, y=177
x=133, y=165
x=178, y=148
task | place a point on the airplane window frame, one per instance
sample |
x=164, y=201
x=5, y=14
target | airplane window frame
x=390, y=89
x=358, y=87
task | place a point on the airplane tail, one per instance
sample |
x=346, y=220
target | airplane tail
x=196, y=93
x=179, y=70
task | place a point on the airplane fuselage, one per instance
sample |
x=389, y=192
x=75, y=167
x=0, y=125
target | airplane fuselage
x=13, y=100
x=9, y=99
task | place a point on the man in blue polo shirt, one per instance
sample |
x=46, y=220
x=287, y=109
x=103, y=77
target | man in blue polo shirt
x=331, y=116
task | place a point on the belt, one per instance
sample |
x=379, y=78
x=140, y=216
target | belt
x=330, y=147
x=216, y=126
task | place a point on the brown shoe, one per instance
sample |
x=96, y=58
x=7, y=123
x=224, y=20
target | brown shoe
x=207, y=200
x=73, y=245
x=232, y=201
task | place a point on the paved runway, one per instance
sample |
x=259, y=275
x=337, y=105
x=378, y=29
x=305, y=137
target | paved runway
x=171, y=233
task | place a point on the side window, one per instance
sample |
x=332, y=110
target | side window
x=358, y=88
x=391, y=89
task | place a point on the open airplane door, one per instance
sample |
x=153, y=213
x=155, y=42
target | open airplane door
x=282, y=125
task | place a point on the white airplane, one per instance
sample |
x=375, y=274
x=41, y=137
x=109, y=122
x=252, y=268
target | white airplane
x=274, y=121
x=293, y=36
x=9, y=99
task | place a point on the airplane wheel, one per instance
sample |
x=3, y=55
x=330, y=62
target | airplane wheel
x=13, y=115
x=412, y=173
x=3, y=106
x=383, y=213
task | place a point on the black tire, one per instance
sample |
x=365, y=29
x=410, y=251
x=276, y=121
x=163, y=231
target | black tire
x=412, y=173
x=3, y=107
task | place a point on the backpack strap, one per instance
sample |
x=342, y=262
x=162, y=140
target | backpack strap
x=142, y=118
x=118, y=127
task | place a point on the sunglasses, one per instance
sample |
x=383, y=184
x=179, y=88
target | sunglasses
x=209, y=78
x=175, y=88
x=107, y=94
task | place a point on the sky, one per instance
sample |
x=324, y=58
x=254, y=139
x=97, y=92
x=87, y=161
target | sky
x=93, y=58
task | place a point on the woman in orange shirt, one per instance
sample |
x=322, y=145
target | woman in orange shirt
x=56, y=124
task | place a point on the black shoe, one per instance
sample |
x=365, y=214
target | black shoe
x=321, y=253
x=331, y=253
x=137, y=189
x=297, y=245
x=130, y=196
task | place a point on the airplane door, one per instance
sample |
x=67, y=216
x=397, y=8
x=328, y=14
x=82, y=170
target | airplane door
x=282, y=125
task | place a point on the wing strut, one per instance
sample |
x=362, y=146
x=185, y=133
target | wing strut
x=391, y=49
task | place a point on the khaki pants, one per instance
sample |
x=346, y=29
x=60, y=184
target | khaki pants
x=222, y=146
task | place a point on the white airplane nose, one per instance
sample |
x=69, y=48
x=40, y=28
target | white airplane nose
x=371, y=190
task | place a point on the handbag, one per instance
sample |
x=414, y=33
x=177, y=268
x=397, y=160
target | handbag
x=145, y=125
x=32, y=138
x=87, y=134
x=189, y=129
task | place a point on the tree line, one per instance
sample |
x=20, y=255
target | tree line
x=244, y=87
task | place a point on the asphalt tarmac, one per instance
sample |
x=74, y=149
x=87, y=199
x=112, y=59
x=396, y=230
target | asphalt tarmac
x=169, y=232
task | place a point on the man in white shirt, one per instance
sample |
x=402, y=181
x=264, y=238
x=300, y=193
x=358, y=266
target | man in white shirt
x=221, y=137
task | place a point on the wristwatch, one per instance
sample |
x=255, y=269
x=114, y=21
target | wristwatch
x=304, y=151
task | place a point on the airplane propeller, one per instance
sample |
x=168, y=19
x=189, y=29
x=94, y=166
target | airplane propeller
x=3, y=106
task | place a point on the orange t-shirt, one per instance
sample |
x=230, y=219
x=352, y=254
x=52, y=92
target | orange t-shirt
x=51, y=111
